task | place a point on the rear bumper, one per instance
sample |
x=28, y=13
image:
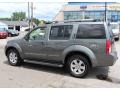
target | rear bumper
x=3, y=36
x=107, y=60
x=114, y=58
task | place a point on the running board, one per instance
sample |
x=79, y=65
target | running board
x=44, y=63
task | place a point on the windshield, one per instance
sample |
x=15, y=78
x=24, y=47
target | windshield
x=115, y=26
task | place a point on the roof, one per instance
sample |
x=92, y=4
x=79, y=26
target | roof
x=86, y=3
x=15, y=23
x=3, y=25
x=74, y=23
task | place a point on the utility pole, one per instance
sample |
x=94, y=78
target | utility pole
x=32, y=14
x=105, y=11
x=29, y=14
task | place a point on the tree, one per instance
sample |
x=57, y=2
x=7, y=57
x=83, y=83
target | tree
x=36, y=21
x=18, y=16
x=43, y=22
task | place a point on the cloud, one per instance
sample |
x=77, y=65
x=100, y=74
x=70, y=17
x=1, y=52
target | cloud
x=41, y=10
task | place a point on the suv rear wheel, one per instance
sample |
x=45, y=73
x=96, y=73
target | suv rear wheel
x=78, y=66
x=14, y=58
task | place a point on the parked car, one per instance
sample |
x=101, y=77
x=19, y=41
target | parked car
x=28, y=29
x=78, y=46
x=116, y=30
x=3, y=34
x=12, y=32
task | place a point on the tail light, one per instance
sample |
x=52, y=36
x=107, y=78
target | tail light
x=108, y=46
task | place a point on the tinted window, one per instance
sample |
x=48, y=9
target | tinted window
x=60, y=32
x=91, y=31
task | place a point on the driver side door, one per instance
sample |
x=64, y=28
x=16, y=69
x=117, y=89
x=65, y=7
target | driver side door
x=34, y=46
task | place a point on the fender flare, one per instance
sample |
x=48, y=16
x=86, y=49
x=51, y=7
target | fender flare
x=15, y=46
x=81, y=49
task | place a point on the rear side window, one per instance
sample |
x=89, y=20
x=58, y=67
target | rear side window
x=91, y=31
x=62, y=32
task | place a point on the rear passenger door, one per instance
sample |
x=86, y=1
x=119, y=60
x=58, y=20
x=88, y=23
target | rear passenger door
x=59, y=39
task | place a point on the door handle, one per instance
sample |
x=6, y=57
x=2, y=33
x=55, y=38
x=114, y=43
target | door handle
x=30, y=45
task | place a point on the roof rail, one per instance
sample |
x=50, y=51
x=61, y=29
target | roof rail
x=82, y=20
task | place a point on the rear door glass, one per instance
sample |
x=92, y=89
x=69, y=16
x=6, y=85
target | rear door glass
x=62, y=32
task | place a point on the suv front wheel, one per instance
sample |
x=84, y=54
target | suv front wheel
x=78, y=66
x=14, y=58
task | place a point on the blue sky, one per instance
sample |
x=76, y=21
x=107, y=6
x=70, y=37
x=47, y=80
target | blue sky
x=45, y=11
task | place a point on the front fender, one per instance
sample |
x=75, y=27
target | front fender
x=82, y=49
x=16, y=46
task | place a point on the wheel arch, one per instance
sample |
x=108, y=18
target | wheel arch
x=15, y=48
x=82, y=50
x=76, y=53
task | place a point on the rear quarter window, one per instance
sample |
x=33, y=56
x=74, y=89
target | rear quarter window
x=91, y=31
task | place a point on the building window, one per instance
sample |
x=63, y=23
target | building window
x=119, y=16
x=73, y=15
x=10, y=27
x=112, y=16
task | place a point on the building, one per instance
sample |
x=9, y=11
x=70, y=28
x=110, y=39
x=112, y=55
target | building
x=89, y=10
x=3, y=25
x=16, y=25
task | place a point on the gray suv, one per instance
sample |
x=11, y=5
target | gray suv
x=76, y=45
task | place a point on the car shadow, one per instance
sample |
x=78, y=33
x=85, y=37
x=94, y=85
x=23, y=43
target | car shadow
x=62, y=71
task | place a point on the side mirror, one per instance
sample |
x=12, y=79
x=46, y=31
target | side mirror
x=26, y=37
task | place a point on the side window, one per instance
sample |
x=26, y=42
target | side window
x=62, y=32
x=37, y=34
x=91, y=31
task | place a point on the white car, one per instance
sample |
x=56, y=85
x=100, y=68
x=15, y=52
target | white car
x=116, y=30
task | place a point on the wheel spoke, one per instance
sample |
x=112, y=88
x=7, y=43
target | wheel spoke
x=82, y=67
x=80, y=63
x=75, y=70
x=75, y=62
x=73, y=65
x=79, y=71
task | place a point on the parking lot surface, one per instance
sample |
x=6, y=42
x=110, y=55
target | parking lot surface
x=32, y=75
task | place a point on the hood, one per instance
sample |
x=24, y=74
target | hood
x=15, y=39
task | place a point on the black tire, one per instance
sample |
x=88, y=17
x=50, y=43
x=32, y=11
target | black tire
x=18, y=62
x=80, y=58
x=117, y=39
